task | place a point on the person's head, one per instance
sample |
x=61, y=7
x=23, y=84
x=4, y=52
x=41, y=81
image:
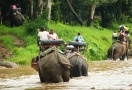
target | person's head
x=51, y=31
x=78, y=34
x=42, y=28
x=114, y=31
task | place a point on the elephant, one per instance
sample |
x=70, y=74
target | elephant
x=54, y=68
x=8, y=64
x=119, y=49
x=80, y=65
x=16, y=18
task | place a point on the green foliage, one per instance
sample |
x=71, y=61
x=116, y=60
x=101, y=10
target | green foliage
x=7, y=42
x=98, y=41
x=23, y=56
x=31, y=27
x=96, y=24
x=123, y=18
x=95, y=38
x=130, y=19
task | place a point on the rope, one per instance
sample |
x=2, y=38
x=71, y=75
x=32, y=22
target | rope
x=75, y=53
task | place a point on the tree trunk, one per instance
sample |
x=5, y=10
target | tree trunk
x=103, y=16
x=80, y=21
x=91, y=15
x=39, y=7
x=31, y=10
x=49, y=9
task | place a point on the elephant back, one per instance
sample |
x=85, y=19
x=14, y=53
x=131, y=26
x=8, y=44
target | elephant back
x=18, y=19
x=80, y=65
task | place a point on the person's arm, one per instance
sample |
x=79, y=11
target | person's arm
x=49, y=36
x=75, y=38
x=38, y=38
x=56, y=37
x=82, y=39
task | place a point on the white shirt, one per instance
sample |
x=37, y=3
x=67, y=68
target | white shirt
x=54, y=35
x=43, y=35
x=114, y=35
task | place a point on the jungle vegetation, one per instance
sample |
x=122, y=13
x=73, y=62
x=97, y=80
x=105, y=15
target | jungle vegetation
x=94, y=19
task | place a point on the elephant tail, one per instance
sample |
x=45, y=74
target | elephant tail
x=61, y=59
x=112, y=53
x=79, y=65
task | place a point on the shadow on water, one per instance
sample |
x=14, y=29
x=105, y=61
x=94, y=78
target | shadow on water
x=102, y=75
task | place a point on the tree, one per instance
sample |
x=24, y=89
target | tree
x=49, y=5
x=74, y=13
x=31, y=9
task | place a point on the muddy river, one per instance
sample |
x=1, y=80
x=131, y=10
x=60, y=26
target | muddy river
x=105, y=74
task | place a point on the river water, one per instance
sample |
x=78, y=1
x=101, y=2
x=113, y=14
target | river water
x=105, y=74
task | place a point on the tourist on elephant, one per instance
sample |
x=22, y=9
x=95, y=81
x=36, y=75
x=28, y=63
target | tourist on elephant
x=13, y=7
x=122, y=35
x=42, y=34
x=78, y=38
x=122, y=27
x=127, y=30
x=52, y=35
x=114, y=34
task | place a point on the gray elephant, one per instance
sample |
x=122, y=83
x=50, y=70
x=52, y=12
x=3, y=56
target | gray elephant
x=118, y=50
x=80, y=65
x=54, y=68
x=16, y=18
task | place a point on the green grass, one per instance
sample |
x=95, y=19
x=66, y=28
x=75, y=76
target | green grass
x=99, y=40
x=7, y=42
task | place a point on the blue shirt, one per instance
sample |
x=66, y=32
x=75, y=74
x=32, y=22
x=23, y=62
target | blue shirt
x=80, y=39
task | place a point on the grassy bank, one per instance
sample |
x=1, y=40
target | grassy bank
x=99, y=40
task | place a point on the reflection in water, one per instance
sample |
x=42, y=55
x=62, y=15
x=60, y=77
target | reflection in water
x=117, y=78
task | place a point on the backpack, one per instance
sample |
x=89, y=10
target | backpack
x=78, y=38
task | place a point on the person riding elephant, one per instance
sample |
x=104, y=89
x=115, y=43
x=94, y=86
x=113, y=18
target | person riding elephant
x=118, y=50
x=54, y=67
x=16, y=18
x=80, y=65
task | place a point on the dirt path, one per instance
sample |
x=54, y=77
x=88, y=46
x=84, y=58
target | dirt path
x=4, y=53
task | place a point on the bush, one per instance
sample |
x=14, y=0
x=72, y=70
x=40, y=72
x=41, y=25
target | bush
x=31, y=27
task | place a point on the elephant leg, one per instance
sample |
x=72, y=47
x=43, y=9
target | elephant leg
x=40, y=75
x=66, y=75
x=116, y=56
x=127, y=54
x=57, y=78
x=80, y=70
x=123, y=57
x=84, y=71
